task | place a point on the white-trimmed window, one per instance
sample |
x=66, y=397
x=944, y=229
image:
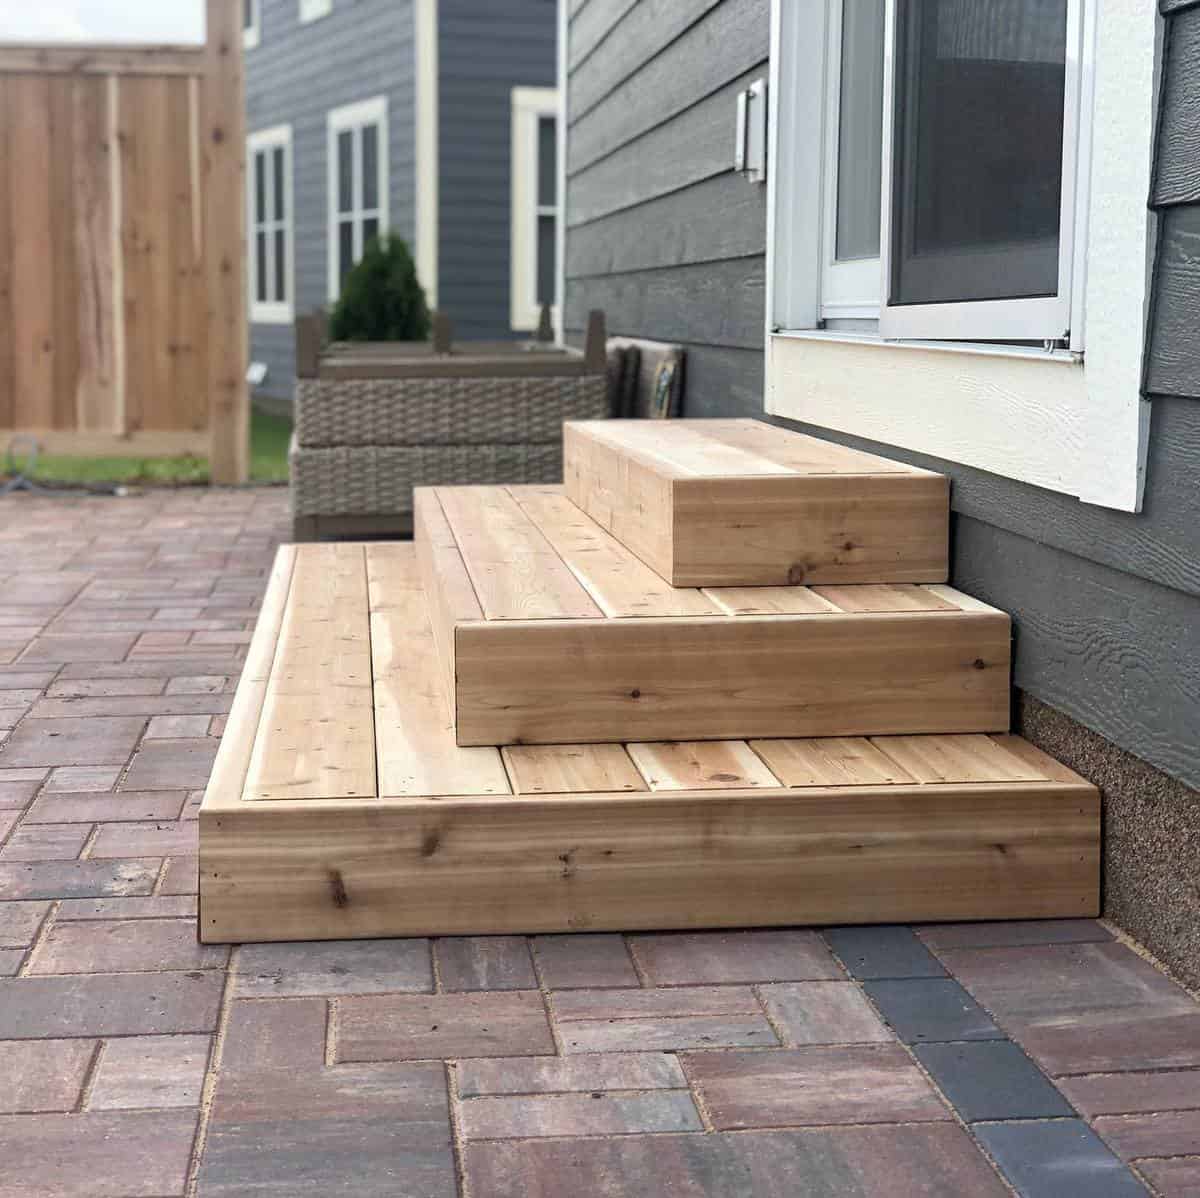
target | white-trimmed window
x=270, y=225
x=535, y=204
x=251, y=23
x=358, y=184
x=965, y=175
x=314, y=10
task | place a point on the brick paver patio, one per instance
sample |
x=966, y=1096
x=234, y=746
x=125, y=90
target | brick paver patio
x=1050, y=1060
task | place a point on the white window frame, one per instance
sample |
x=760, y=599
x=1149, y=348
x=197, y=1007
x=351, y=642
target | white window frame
x=1056, y=417
x=314, y=10
x=271, y=312
x=352, y=118
x=530, y=105
x=252, y=33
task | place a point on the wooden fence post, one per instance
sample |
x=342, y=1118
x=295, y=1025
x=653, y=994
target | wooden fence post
x=223, y=134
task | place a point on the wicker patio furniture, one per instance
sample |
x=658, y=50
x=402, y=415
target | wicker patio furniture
x=374, y=420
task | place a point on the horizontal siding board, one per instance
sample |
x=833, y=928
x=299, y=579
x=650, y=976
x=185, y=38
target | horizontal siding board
x=592, y=26
x=1161, y=544
x=1177, y=164
x=1167, y=7
x=646, y=29
x=487, y=48
x=731, y=39
x=694, y=146
x=713, y=303
x=1118, y=653
x=723, y=217
x=274, y=345
x=722, y=382
x=1174, y=349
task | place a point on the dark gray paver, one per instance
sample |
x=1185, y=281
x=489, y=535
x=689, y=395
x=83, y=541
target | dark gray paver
x=76, y=879
x=933, y=1161
x=92, y=740
x=1006, y=935
x=1059, y=1159
x=992, y=1079
x=333, y=967
x=584, y=961
x=922, y=1010
x=883, y=952
x=485, y=963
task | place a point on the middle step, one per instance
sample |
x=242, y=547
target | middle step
x=551, y=632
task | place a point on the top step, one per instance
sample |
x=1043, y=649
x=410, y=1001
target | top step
x=742, y=503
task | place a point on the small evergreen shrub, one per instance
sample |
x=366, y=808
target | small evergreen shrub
x=381, y=299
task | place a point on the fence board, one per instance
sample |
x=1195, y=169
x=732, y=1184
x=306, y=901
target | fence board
x=122, y=246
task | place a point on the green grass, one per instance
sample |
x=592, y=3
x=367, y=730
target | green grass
x=269, y=436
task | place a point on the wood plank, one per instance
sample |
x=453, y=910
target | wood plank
x=570, y=769
x=516, y=573
x=93, y=154
x=563, y=681
x=619, y=583
x=414, y=728
x=701, y=765
x=868, y=597
x=146, y=443
x=8, y=180
x=704, y=511
x=957, y=759
x=1036, y=759
x=707, y=859
x=449, y=591
x=316, y=739
x=768, y=601
x=830, y=761
x=223, y=137
x=34, y=251
x=59, y=58
x=228, y=777
x=65, y=277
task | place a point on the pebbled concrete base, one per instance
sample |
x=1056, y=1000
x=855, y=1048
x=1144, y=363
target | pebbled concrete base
x=1151, y=836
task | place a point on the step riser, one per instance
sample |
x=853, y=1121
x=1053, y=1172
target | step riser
x=769, y=530
x=563, y=682
x=301, y=871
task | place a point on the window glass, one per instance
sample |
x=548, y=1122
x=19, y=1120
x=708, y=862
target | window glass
x=547, y=162
x=260, y=187
x=345, y=249
x=546, y=244
x=977, y=163
x=280, y=196
x=345, y=152
x=261, y=262
x=370, y=166
x=280, y=295
x=860, y=131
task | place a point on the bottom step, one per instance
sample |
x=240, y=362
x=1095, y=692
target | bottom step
x=432, y=839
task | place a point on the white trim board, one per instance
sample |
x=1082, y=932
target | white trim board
x=1074, y=424
x=280, y=136
x=252, y=33
x=560, y=270
x=529, y=106
x=354, y=117
x=314, y=10
x=425, y=39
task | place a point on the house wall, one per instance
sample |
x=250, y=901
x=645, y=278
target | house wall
x=485, y=49
x=295, y=76
x=1106, y=605
x=661, y=233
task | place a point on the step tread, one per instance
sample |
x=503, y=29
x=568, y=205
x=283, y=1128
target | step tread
x=744, y=503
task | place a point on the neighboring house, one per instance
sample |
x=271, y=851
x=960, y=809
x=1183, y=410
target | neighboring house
x=436, y=119
x=1011, y=312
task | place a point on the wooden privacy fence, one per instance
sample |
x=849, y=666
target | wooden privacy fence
x=122, y=256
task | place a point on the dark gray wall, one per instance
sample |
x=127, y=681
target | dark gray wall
x=486, y=48
x=294, y=76
x=661, y=234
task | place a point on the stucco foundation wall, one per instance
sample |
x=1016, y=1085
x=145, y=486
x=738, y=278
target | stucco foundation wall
x=1151, y=880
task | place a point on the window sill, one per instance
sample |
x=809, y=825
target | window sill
x=271, y=314
x=1023, y=352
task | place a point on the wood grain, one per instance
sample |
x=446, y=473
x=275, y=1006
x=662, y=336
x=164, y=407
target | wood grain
x=701, y=765
x=958, y=759
x=416, y=753
x=562, y=681
x=706, y=859
x=830, y=761
x=316, y=738
x=571, y=769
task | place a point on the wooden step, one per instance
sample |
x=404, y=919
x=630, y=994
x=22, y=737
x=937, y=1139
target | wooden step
x=742, y=503
x=346, y=809
x=552, y=631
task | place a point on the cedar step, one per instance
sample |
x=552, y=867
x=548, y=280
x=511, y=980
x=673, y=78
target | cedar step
x=742, y=503
x=552, y=631
x=341, y=806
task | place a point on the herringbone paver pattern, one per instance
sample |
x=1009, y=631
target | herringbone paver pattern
x=1042, y=1059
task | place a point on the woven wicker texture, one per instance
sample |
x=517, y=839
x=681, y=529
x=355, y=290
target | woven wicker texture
x=444, y=411
x=378, y=480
